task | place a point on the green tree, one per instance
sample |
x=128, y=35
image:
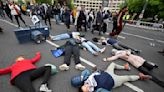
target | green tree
x=154, y=7
x=44, y=1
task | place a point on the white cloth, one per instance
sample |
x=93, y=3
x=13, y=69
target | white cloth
x=91, y=81
x=74, y=34
x=13, y=11
x=35, y=19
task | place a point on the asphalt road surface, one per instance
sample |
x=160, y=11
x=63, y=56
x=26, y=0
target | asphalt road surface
x=134, y=37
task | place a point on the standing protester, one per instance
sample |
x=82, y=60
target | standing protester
x=8, y=12
x=90, y=18
x=81, y=19
x=99, y=19
x=67, y=20
x=15, y=10
x=23, y=72
x=137, y=61
x=56, y=12
x=114, y=19
x=48, y=13
x=119, y=21
x=2, y=14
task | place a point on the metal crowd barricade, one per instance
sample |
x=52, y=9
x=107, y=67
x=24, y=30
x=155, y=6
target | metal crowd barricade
x=146, y=25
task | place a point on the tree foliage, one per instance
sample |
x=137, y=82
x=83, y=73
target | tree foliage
x=44, y=1
x=154, y=7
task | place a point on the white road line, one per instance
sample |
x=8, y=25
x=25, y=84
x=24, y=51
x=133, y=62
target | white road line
x=133, y=87
x=10, y=23
x=146, y=38
x=82, y=59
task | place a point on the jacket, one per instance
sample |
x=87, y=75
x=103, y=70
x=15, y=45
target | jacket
x=20, y=67
x=13, y=9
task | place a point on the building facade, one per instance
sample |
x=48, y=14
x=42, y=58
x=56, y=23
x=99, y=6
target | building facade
x=112, y=5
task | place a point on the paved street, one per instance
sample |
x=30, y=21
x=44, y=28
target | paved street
x=134, y=37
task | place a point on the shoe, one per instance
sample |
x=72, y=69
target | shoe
x=1, y=30
x=95, y=54
x=64, y=67
x=80, y=67
x=104, y=59
x=127, y=67
x=103, y=50
x=161, y=51
x=138, y=51
x=49, y=38
x=44, y=88
x=144, y=77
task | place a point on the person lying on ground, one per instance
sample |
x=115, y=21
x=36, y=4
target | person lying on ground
x=85, y=43
x=23, y=72
x=64, y=36
x=69, y=50
x=115, y=44
x=108, y=79
x=137, y=61
x=92, y=48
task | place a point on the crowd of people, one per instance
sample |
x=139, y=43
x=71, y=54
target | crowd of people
x=23, y=72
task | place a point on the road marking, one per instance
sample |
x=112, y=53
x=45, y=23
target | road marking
x=10, y=23
x=133, y=87
x=146, y=38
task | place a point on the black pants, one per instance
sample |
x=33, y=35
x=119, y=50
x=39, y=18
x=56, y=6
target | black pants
x=49, y=19
x=114, y=27
x=121, y=46
x=145, y=69
x=69, y=51
x=80, y=24
x=19, y=16
x=9, y=15
x=24, y=80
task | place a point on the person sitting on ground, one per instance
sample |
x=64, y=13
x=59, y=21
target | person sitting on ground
x=90, y=46
x=71, y=48
x=115, y=44
x=137, y=61
x=108, y=80
x=23, y=72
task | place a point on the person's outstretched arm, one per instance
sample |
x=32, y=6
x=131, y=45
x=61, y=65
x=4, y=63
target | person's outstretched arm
x=36, y=58
x=112, y=58
x=5, y=70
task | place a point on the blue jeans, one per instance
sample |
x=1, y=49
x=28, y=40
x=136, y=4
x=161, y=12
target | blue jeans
x=91, y=47
x=57, y=19
x=60, y=37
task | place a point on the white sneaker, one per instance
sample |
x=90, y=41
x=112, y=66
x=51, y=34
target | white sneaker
x=103, y=50
x=44, y=88
x=64, y=67
x=80, y=67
